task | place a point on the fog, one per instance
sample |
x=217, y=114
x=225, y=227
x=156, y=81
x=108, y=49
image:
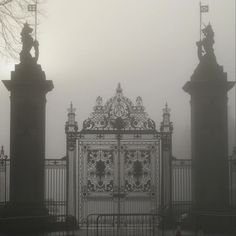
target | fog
x=88, y=46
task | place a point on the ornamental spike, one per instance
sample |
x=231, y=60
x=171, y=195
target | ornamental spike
x=119, y=89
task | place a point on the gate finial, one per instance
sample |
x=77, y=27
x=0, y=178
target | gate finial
x=119, y=89
x=166, y=124
x=2, y=154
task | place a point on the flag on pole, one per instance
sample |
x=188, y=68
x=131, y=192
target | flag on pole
x=32, y=7
x=204, y=8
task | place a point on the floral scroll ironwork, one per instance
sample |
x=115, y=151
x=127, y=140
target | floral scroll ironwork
x=100, y=170
x=137, y=171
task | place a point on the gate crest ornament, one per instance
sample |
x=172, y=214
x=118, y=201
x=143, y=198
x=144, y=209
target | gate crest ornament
x=119, y=106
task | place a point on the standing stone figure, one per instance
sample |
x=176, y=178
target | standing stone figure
x=27, y=43
x=205, y=46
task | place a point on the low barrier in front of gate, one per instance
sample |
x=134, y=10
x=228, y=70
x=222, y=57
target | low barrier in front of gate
x=125, y=225
x=215, y=223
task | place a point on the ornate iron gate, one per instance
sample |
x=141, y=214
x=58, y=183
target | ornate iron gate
x=118, y=176
x=117, y=169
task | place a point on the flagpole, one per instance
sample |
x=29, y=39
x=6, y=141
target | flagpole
x=200, y=6
x=36, y=16
x=234, y=147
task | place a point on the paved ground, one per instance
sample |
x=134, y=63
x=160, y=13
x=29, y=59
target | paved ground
x=166, y=233
x=83, y=232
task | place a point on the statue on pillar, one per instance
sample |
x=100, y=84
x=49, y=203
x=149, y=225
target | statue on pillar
x=208, y=68
x=27, y=43
x=205, y=46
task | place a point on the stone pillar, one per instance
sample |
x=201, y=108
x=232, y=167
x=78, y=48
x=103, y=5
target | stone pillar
x=208, y=88
x=28, y=88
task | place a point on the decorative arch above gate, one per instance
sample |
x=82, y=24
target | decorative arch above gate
x=119, y=106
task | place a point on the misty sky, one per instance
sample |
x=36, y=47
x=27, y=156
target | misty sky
x=149, y=46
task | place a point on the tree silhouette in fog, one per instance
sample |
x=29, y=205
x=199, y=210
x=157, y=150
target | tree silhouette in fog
x=13, y=14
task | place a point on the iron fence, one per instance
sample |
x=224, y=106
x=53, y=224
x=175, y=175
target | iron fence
x=56, y=187
x=181, y=206
x=182, y=181
x=124, y=225
x=232, y=182
x=56, y=193
x=4, y=180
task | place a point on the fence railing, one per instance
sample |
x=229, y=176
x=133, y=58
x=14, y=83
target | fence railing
x=124, y=225
x=55, y=185
x=4, y=180
x=182, y=181
x=232, y=182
